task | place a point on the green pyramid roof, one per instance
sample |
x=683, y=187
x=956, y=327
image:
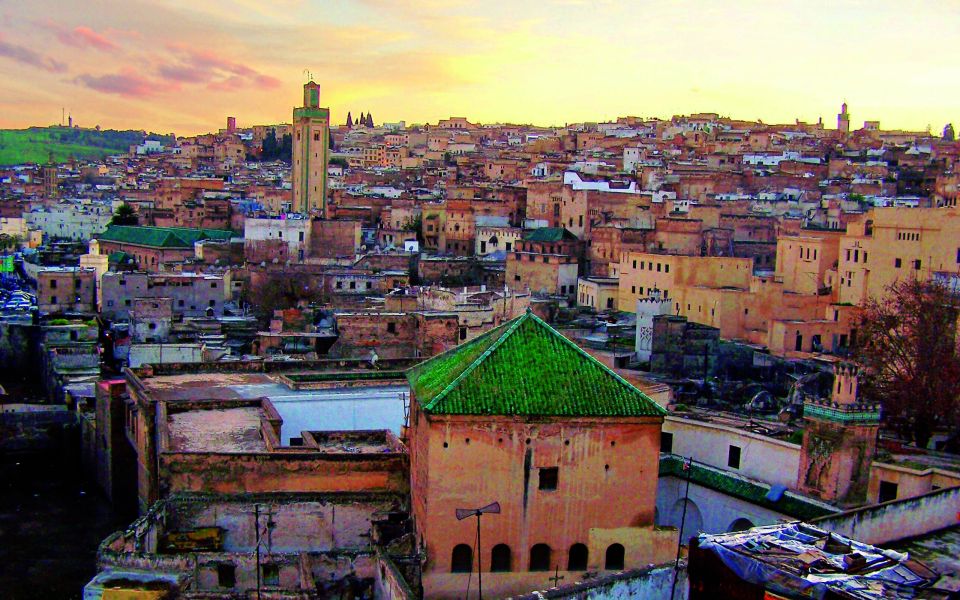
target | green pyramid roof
x=525, y=367
x=161, y=237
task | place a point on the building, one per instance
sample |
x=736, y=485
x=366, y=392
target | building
x=189, y=294
x=311, y=144
x=839, y=443
x=151, y=247
x=524, y=417
x=547, y=260
x=66, y=289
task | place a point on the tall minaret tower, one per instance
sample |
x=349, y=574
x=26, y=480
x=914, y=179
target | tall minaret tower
x=839, y=441
x=311, y=141
x=843, y=120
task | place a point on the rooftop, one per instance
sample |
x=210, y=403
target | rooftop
x=161, y=237
x=217, y=430
x=800, y=560
x=525, y=367
x=354, y=405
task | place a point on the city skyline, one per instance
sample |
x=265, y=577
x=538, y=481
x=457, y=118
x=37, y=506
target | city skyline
x=182, y=66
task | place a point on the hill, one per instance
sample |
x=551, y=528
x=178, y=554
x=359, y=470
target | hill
x=38, y=144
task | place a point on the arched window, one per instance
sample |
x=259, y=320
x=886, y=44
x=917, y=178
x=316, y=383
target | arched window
x=462, y=559
x=540, y=557
x=614, y=560
x=500, y=560
x=577, y=559
x=741, y=524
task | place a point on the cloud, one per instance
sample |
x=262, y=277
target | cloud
x=26, y=56
x=127, y=83
x=81, y=36
x=192, y=65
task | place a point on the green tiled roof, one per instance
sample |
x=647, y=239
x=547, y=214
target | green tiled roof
x=162, y=237
x=525, y=367
x=549, y=234
x=750, y=490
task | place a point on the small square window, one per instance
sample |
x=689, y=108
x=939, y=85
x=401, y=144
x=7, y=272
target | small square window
x=916, y=265
x=733, y=457
x=271, y=575
x=226, y=575
x=391, y=327
x=126, y=302
x=666, y=442
x=549, y=478
x=897, y=263
x=887, y=492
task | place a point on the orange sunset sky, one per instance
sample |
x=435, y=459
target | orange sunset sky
x=184, y=65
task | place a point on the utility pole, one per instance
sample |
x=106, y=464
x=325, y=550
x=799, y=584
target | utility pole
x=256, y=512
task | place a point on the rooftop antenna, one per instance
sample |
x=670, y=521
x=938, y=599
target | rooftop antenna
x=308, y=74
x=465, y=513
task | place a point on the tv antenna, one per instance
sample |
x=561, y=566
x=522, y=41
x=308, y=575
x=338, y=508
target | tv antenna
x=465, y=513
x=308, y=74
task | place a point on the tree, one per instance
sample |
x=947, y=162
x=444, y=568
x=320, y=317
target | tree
x=948, y=134
x=125, y=215
x=908, y=346
x=349, y=119
x=369, y=122
x=415, y=224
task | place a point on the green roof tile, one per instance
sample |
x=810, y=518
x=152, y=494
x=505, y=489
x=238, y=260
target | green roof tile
x=525, y=367
x=737, y=486
x=161, y=237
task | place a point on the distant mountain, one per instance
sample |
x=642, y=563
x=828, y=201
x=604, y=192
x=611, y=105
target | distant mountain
x=38, y=144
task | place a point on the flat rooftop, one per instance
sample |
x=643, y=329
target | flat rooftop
x=217, y=430
x=337, y=408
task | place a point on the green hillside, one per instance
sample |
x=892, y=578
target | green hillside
x=38, y=144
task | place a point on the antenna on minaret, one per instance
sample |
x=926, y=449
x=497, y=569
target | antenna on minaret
x=308, y=74
x=63, y=112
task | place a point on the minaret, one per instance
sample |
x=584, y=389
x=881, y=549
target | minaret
x=843, y=120
x=839, y=441
x=311, y=141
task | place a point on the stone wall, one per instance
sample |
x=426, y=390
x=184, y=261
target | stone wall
x=655, y=583
x=897, y=520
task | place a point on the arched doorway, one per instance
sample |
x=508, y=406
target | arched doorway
x=692, y=523
x=741, y=524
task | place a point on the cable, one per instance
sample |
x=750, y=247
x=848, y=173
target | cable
x=470, y=576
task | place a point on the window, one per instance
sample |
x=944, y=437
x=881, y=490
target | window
x=614, y=558
x=369, y=284
x=733, y=457
x=462, y=559
x=124, y=281
x=127, y=302
x=658, y=267
x=666, y=268
x=391, y=327
x=353, y=285
x=53, y=300
x=540, y=557
x=577, y=558
x=888, y=491
x=152, y=325
x=549, y=477
x=916, y=265
x=609, y=302
x=516, y=277
x=53, y=284
x=666, y=441
x=897, y=263
x=226, y=575
x=271, y=575
x=500, y=559
x=339, y=285
x=213, y=303
x=213, y=285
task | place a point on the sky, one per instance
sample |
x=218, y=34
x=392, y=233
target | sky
x=183, y=66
